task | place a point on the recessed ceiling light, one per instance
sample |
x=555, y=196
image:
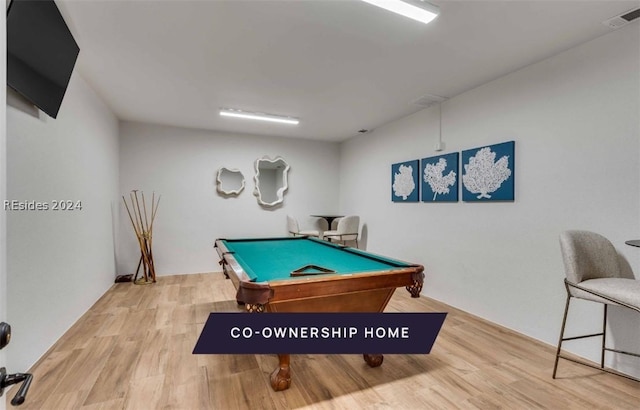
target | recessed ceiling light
x=228, y=112
x=418, y=10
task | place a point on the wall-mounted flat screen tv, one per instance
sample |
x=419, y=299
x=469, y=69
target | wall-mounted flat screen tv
x=41, y=53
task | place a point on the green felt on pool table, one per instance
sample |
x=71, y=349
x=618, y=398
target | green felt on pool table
x=273, y=259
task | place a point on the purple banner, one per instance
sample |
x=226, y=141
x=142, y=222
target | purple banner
x=324, y=333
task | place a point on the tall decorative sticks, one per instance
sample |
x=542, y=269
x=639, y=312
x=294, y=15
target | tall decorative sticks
x=143, y=228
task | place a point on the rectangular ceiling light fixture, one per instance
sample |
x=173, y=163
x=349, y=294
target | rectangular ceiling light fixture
x=419, y=10
x=228, y=112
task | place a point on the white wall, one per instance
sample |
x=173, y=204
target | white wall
x=181, y=165
x=3, y=192
x=574, y=118
x=59, y=262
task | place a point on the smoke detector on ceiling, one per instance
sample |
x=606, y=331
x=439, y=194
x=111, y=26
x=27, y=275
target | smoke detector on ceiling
x=428, y=100
x=623, y=19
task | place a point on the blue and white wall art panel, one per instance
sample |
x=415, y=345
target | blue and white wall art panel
x=440, y=178
x=404, y=181
x=489, y=173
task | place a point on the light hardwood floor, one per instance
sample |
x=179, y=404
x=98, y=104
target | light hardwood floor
x=132, y=350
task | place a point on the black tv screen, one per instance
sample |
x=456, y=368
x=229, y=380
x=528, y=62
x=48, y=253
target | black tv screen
x=41, y=53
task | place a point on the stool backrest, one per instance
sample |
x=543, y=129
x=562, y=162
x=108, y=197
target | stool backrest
x=588, y=255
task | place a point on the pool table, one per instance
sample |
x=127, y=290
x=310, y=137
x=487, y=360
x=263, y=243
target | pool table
x=302, y=274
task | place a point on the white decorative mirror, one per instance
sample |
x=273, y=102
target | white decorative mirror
x=229, y=181
x=271, y=181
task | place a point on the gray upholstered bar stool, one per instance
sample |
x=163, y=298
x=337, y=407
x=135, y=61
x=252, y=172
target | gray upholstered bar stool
x=593, y=273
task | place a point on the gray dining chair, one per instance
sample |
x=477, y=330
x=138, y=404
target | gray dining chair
x=294, y=228
x=347, y=230
x=594, y=273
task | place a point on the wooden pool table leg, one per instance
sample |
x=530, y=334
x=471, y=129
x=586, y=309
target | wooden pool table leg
x=373, y=360
x=415, y=288
x=281, y=377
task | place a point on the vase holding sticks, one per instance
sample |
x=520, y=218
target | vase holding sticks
x=142, y=222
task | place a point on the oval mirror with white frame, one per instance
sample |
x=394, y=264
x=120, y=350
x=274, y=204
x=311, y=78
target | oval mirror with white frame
x=230, y=182
x=271, y=181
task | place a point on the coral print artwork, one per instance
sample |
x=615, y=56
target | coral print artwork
x=489, y=173
x=404, y=181
x=440, y=178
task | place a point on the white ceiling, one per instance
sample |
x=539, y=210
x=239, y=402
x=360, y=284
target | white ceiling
x=338, y=66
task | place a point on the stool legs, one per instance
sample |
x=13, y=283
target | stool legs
x=564, y=323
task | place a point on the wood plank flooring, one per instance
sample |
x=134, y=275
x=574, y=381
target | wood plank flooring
x=132, y=350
